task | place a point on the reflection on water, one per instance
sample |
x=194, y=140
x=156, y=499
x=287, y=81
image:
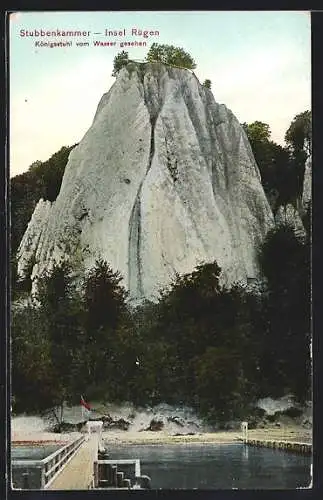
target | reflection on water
x=223, y=466
x=245, y=453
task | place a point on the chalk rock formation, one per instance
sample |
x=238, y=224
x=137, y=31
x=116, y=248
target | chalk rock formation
x=164, y=179
x=290, y=215
x=307, y=184
x=30, y=242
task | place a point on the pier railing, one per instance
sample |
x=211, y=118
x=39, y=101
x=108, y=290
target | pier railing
x=294, y=447
x=52, y=465
x=106, y=472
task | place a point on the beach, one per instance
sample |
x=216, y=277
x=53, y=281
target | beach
x=288, y=433
x=284, y=433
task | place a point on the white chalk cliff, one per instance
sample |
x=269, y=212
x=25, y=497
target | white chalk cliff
x=307, y=185
x=163, y=180
x=290, y=215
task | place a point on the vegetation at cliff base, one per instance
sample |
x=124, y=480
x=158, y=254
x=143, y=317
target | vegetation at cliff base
x=214, y=348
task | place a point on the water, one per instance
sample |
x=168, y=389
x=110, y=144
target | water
x=34, y=472
x=220, y=466
x=33, y=452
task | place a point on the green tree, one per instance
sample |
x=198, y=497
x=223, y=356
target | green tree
x=257, y=132
x=104, y=296
x=50, y=173
x=219, y=383
x=285, y=262
x=42, y=180
x=60, y=304
x=33, y=387
x=168, y=54
x=274, y=163
x=119, y=62
x=299, y=134
x=105, y=319
x=299, y=141
x=207, y=83
x=195, y=319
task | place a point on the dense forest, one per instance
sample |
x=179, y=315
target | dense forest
x=214, y=348
x=41, y=180
x=204, y=345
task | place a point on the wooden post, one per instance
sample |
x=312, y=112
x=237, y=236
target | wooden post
x=120, y=476
x=114, y=470
x=126, y=483
x=96, y=474
x=244, y=428
x=42, y=478
x=25, y=480
x=108, y=473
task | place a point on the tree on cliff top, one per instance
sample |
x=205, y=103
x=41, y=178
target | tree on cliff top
x=168, y=54
x=119, y=61
x=299, y=134
x=207, y=83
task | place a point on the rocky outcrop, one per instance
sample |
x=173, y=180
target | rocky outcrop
x=155, y=425
x=31, y=244
x=163, y=180
x=290, y=215
x=307, y=185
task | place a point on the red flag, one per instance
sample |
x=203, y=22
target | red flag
x=85, y=404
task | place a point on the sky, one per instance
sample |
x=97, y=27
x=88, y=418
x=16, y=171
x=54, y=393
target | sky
x=259, y=64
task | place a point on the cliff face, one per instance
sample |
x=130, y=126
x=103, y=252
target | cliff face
x=307, y=184
x=164, y=179
x=290, y=215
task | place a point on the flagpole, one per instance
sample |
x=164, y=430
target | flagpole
x=85, y=406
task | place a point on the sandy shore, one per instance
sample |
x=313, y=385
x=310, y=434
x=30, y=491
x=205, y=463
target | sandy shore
x=287, y=433
x=294, y=434
x=21, y=437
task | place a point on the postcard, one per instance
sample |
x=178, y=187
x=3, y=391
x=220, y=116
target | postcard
x=160, y=194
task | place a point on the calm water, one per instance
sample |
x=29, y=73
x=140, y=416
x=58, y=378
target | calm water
x=34, y=473
x=33, y=452
x=224, y=466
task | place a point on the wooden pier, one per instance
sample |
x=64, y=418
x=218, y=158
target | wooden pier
x=294, y=447
x=290, y=444
x=78, y=473
x=81, y=464
x=107, y=476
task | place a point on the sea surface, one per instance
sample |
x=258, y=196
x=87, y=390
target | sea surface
x=193, y=466
x=34, y=452
x=26, y=476
x=218, y=466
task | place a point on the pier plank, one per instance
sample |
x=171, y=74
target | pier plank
x=78, y=472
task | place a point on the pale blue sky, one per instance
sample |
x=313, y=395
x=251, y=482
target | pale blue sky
x=259, y=64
